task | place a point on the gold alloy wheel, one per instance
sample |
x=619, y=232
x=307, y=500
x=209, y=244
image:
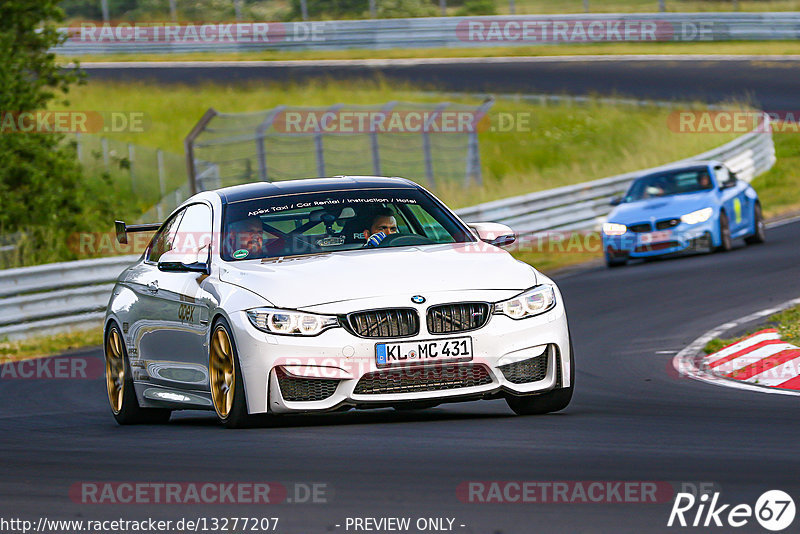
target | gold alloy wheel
x=115, y=370
x=223, y=374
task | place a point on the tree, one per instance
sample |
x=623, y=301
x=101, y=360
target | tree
x=40, y=178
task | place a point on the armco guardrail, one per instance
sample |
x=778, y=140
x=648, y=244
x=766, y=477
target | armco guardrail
x=49, y=298
x=583, y=206
x=434, y=32
x=52, y=298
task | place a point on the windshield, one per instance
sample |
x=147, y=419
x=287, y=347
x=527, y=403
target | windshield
x=670, y=183
x=330, y=221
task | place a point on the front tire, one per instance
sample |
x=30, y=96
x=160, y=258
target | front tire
x=543, y=403
x=760, y=234
x=225, y=377
x=725, y=241
x=119, y=385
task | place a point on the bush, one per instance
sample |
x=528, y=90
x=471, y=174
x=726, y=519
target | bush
x=477, y=7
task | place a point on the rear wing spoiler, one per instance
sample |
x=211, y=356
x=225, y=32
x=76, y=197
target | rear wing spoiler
x=123, y=230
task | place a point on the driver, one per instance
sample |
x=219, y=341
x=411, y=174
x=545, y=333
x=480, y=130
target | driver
x=382, y=223
x=704, y=180
x=245, y=239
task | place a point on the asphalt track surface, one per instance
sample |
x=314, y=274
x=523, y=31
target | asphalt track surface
x=631, y=419
x=773, y=84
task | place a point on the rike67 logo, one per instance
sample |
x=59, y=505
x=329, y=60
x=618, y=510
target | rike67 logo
x=774, y=510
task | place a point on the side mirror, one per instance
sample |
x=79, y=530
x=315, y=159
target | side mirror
x=728, y=184
x=616, y=201
x=495, y=234
x=175, y=262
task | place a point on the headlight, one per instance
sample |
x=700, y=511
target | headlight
x=614, y=228
x=533, y=302
x=698, y=216
x=290, y=323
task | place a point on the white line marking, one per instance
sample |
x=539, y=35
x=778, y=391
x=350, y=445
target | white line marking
x=688, y=361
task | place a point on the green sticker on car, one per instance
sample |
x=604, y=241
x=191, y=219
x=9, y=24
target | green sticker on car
x=241, y=253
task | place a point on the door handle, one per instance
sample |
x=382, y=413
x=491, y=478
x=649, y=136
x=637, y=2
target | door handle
x=152, y=287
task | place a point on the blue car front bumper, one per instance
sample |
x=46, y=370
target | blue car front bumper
x=683, y=238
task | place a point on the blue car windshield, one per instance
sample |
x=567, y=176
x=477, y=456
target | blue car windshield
x=669, y=183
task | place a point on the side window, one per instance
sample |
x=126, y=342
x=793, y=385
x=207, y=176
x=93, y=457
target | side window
x=193, y=237
x=163, y=240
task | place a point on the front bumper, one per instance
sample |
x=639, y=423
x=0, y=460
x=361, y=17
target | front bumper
x=337, y=369
x=683, y=239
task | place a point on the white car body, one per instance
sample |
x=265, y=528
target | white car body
x=166, y=321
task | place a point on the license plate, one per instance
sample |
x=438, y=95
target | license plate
x=655, y=237
x=428, y=351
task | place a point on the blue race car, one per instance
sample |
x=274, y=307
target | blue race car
x=697, y=207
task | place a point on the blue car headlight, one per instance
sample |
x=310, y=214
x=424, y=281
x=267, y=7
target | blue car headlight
x=533, y=302
x=696, y=217
x=614, y=228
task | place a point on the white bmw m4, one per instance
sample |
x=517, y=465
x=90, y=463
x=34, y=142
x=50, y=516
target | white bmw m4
x=326, y=295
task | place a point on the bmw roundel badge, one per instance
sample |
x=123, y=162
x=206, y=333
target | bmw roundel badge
x=417, y=299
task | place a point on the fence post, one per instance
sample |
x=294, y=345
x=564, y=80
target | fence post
x=78, y=147
x=473, y=148
x=586, y=6
x=173, y=11
x=188, y=146
x=426, y=146
x=237, y=8
x=104, y=9
x=443, y=7
x=373, y=10
x=162, y=188
x=260, y=149
x=131, y=156
x=661, y=6
x=304, y=9
x=104, y=144
x=512, y=8
x=373, y=138
x=319, y=148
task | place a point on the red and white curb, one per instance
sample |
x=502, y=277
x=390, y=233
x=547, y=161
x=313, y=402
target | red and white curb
x=761, y=358
x=760, y=362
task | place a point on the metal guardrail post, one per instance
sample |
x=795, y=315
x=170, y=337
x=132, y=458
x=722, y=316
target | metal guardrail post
x=188, y=146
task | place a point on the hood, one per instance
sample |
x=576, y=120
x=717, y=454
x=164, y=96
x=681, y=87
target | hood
x=661, y=208
x=304, y=281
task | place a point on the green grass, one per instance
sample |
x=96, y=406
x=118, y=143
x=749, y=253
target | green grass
x=37, y=347
x=779, y=48
x=787, y=323
x=565, y=143
x=779, y=189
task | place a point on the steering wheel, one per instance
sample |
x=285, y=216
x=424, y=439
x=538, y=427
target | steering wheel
x=404, y=240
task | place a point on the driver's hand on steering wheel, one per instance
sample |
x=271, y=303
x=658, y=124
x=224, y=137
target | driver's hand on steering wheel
x=375, y=239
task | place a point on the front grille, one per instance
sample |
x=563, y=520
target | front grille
x=395, y=322
x=423, y=379
x=667, y=224
x=461, y=317
x=657, y=246
x=530, y=370
x=305, y=389
x=640, y=228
